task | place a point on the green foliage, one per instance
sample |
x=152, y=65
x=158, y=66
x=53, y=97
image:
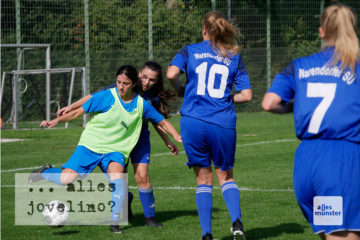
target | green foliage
x=119, y=34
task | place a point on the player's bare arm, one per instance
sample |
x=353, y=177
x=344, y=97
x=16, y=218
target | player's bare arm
x=173, y=74
x=74, y=105
x=173, y=148
x=273, y=103
x=65, y=118
x=170, y=129
x=243, y=96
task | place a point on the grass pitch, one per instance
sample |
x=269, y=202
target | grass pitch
x=263, y=171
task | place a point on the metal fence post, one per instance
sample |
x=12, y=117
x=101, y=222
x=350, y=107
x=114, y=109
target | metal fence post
x=150, y=30
x=268, y=44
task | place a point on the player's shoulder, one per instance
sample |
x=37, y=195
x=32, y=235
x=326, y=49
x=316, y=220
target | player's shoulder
x=314, y=58
x=199, y=45
x=106, y=93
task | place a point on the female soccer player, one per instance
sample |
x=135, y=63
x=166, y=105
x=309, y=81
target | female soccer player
x=208, y=123
x=109, y=137
x=152, y=91
x=326, y=91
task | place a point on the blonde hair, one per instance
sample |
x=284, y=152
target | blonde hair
x=223, y=34
x=340, y=26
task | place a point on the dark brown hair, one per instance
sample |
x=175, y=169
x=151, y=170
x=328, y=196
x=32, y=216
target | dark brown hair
x=158, y=88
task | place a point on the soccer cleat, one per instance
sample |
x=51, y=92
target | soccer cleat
x=130, y=198
x=36, y=174
x=115, y=228
x=207, y=236
x=151, y=222
x=238, y=230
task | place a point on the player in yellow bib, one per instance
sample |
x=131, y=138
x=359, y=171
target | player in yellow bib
x=108, y=137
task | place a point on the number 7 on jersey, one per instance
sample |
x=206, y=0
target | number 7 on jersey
x=325, y=91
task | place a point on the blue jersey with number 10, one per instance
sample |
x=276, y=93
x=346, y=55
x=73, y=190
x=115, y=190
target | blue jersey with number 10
x=326, y=100
x=210, y=78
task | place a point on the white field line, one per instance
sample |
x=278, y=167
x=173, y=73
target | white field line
x=181, y=188
x=169, y=153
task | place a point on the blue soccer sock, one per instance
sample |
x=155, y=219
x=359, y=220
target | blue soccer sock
x=204, y=207
x=232, y=199
x=148, y=201
x=52, y=175
x=117, y=197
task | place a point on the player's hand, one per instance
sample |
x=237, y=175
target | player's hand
x=63, y=111
x=178, y=139
x=49, y=124
x=173, y=148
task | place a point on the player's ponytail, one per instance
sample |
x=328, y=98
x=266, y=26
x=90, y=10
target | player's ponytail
x=340, y=26
x=223, y=35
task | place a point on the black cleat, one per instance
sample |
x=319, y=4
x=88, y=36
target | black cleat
x=238, y=230
x=130, y=198
x=36, y=174
x=151, y=222
x=207, y=236
x=115, y=228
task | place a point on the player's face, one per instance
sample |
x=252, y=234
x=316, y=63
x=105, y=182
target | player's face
x=124, y=84
x=148, y=78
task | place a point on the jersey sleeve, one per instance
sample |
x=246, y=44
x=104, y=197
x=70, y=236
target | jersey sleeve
x=242, y=80
x=151, y=114
x=181, y=59
x=283, y=84
x=99, y=102
x=106, y=88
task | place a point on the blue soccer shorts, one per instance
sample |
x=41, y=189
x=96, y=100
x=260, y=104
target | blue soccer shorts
x=328, y=168
x=205, y=142
x=141, y=151
x=83, y=160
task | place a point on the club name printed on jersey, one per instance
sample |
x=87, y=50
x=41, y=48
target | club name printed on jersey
x=348, y=77
x=218, y=58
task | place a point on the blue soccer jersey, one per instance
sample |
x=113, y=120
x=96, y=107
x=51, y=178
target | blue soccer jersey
x=326, y=100
x=210, y=79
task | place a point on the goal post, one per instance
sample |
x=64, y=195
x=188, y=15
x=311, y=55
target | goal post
x=17, y=73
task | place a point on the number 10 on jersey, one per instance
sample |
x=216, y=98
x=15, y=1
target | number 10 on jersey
x=222, y=70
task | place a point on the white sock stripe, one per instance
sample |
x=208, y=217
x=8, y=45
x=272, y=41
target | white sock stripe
x=204, y=190
x=145, y=190
x=229, y=186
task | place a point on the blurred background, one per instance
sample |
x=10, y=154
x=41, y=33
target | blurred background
x=101, y=35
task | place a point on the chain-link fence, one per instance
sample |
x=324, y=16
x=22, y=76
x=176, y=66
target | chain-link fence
x=102, y=35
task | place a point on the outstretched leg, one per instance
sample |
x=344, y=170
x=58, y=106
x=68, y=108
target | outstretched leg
x=56, y=175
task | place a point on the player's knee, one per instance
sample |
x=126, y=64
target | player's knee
x=67, y=178
x=142, y=178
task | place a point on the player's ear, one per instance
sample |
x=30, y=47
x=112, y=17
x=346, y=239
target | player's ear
x=322, y=33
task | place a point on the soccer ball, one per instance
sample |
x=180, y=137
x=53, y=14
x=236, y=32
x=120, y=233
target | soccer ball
x=56, y=213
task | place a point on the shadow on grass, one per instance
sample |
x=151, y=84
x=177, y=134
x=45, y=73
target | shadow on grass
x=266, y=232
x=61, y=233
x=163, y=217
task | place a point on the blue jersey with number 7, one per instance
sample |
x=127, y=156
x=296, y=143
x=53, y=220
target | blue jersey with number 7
x=210, y=78
x=326, y=99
